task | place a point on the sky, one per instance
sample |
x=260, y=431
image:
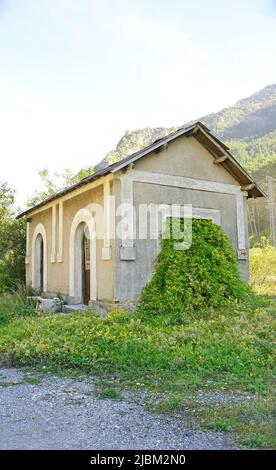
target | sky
x=75, y=75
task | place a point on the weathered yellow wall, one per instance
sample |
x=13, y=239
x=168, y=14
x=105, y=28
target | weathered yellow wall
x=58, y=273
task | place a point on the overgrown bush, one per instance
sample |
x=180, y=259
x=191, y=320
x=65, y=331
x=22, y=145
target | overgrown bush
x=206, y=275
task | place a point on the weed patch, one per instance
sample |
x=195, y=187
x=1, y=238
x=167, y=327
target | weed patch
x=110, y=393
x=31, y=380
x=15, y=305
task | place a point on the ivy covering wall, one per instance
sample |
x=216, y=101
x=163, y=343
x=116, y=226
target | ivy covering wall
x=206, y=275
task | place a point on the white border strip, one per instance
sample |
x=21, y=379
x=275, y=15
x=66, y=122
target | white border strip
x=54, y=230
x=27, y=257
x=40, y=230
x=83, y=216
x=60, y=233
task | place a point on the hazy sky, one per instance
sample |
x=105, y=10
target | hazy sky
x=75, y=74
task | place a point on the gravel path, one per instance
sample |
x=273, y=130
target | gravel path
x=63, y=413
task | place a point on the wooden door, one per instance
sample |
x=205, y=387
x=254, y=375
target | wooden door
x=86, y=270
x=41, y=267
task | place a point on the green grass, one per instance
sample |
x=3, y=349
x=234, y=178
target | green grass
x=255, y=442
x=15, y=305
x=252, y=422
x=263, y=270
x=110, y=393
x=29, y=379
x=219, y=426
x=169, y=404
x=230, y=347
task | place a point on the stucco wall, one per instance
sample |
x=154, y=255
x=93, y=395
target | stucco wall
x=131, y=276
x=58, y=273
x=183, y=157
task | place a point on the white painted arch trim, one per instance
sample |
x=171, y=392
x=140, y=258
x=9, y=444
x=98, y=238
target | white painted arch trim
x=40, y=230
x=60, y=233
x=54, y=238
x=82, y=216
x=27, y=257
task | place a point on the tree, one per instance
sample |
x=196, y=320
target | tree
x=12, y=241
x=6, y=199
x=56, y=182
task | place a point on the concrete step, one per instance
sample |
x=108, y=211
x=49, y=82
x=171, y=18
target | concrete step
x=75, y=308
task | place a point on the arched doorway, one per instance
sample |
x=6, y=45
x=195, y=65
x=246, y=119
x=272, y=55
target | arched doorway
x=39, y=265
x=39, y=259
x=82, y=266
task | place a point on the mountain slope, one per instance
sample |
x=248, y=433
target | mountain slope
x=133, y=141
x=251, y=117
x=248, y=127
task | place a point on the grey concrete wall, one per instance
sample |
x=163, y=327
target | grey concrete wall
x=132, y=276
x=185, y=156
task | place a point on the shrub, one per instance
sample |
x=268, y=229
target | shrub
x=206, y=275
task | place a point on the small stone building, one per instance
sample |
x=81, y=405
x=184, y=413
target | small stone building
x=85, y=243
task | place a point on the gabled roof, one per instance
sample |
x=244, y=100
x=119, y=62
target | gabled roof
x=201, y=133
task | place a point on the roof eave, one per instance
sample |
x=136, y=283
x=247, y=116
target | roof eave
x=218, y=147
